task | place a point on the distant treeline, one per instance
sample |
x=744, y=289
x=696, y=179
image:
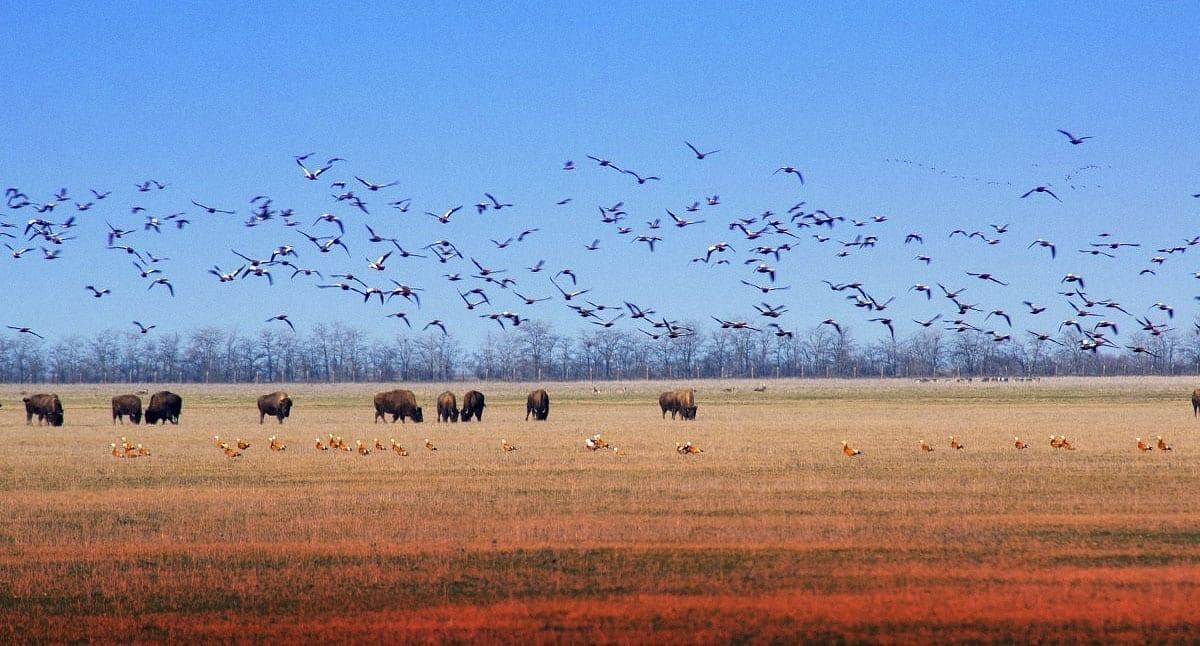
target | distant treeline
x=534, y=351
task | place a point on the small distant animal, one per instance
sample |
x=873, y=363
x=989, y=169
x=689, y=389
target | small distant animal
x=472, y=406
x=681, y=401
x=400, y=404
x=848, y=450
x=164, y=406
x=47, y=407
x=276, y=404
x=538, y=405
x=447, y=407
x=127, y=406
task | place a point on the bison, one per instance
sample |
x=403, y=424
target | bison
x=1196, y=402
x=399, y=404
x=447, y=407
x=277, y=404
x=165, y=406
x=538, y=404
x=681, y=401
x=127, y=406
x=472, y=405
x=47, y=407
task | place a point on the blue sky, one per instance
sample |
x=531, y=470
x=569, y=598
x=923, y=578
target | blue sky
x=458, y=100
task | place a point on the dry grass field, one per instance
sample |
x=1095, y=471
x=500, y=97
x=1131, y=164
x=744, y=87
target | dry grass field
x=770, y=535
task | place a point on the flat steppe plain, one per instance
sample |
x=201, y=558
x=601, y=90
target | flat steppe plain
x=770, y=535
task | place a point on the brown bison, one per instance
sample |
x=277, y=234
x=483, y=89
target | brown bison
x=472, y=405
x=48, y=409
x=127, y=406
x=681, y=401
x=447, y=407
x=277, y=404
x=165, y=406
x=1196, y=402
x=399, y=404
x=538, y=404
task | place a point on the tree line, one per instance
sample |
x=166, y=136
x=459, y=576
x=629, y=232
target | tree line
x=535, y=351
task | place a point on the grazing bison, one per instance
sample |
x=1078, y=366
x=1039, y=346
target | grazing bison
x=681, y=401
x=277, y=404
x=127, y=406
x=165, y=406
x=1196, y=402
x=399, y=404
x=472, y=405
x=48, y=409
x=538, y=404
x=447, y=407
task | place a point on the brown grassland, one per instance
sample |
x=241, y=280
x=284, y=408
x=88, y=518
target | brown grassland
x=770, y=535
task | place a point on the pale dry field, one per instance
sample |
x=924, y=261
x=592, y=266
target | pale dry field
x=770, y=535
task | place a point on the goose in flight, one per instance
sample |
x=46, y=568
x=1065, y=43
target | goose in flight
x=25, y=330
x=371, y=186
x=144, y=328
x=681, y=222
x=378, y=263
x=165, y=283
x=698, y=154
x=444, y=218
x=789, y=169
x=312, y=174
x=1075, y=141
x=639, y=178
x=987, y=276
x=1041, y=189
x=284, y=318
x=212, y=210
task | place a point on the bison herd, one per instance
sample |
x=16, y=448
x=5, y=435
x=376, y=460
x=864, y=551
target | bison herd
x=166, y=406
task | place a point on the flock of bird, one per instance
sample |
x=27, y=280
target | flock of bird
x=475, y=284
x=125, y=449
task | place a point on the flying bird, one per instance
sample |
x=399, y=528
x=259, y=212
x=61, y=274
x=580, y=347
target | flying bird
x=284, y=318
x=1075, y=141
x=25, y=330
x=1041, y=189
x=789, y=169
x=698, y=154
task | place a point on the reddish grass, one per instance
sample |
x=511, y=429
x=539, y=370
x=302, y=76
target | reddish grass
x=771, y=535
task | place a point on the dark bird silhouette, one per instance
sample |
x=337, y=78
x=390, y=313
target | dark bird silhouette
x=698, y=154
x=1041, y=189
x=1075, y=141
x=284, y=318
x=25, y=330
